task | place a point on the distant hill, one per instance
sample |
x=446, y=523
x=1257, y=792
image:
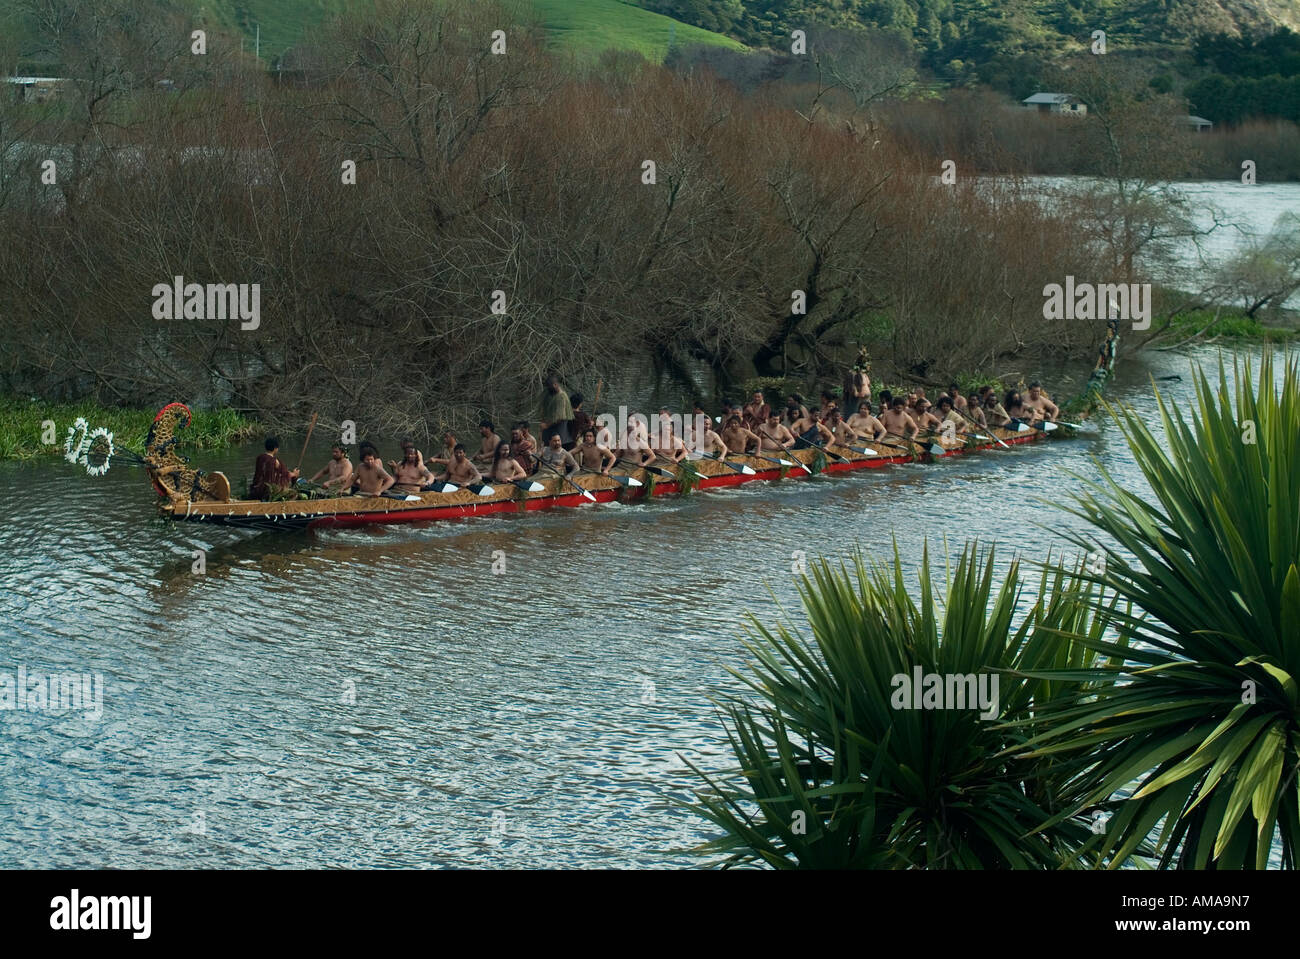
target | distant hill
x=584, y=25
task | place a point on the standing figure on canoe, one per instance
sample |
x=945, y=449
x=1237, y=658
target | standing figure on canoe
x=269, y=472
x=557, y=411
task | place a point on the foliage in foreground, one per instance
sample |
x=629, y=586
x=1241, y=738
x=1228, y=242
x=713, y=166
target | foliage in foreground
x=21, y=426
x=1162, y=686
x=1203, y=715
x=831, y=775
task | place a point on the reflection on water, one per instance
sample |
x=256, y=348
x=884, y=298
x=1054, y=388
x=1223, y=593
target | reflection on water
x=381, y=697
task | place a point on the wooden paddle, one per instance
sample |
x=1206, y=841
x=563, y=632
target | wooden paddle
x=975, y=424
x=746, y=470
x=306, y=441
x=585, y=493
x=618, y=478
x=650, y=468
x=779, y=462
x=814, y=446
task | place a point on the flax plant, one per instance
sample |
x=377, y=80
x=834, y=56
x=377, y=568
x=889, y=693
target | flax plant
x=832, y=775
x=1199, y=723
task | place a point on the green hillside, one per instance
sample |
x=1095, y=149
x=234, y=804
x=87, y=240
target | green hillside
x=585, y=25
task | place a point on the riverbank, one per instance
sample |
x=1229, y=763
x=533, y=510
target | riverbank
x=1233, y=324
x=32, y=428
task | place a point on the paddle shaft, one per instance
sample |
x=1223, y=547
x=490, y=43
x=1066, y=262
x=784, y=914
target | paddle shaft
x=306, y=441
x=565, y=478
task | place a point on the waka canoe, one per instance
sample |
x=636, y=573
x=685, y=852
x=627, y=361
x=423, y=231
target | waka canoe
x=190, y=495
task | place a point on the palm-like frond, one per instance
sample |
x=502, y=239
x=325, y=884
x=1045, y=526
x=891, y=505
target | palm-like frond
x=1201, y=720
x=831, y=775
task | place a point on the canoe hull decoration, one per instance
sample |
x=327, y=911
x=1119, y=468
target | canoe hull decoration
x=190, y=495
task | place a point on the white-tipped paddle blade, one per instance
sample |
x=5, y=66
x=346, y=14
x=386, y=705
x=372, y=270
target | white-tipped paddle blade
x=1049, y=427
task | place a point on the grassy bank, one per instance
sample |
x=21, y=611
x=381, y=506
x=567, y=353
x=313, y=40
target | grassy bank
x=1231, y=324
x=23, y=426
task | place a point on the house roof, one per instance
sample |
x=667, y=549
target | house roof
x=1050, y=98
x=1199, y=121
x=26, y=80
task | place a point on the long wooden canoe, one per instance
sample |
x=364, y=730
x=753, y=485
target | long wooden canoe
x=189, y=495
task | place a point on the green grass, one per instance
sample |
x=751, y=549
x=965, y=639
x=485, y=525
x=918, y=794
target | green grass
x=22, y=426
x=1232, y=324
x=580, y=25
x=603, y=24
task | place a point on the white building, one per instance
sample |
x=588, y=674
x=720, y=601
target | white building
x=1064, y=103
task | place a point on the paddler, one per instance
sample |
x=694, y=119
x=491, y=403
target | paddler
x=774, y=435
x=896, y=420
x=738, y=438
x=593, y=457
x=410, y=474
x=372, y=479
x=1038, y=401
x=339, y=469
x=461, y=470
x=268, y=471
x=865, y=424
x=557, y=458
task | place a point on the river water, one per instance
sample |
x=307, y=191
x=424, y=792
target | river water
x=1230, y=215
x=383, y=698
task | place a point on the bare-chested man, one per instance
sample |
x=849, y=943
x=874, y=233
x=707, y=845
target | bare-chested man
x=1037, y=400
x=844, y=434
x=638, y=441
x=812, y=431
x=897, y=421
x=1014, y=404
x=593, y=457
x=409, y=475
x=705, y=439
x=667, y=444
x=461, y=470
x=371, y=477
x=488, y=450
x=958, y=401
x=866, y=424
x=738, y=438
x=504, y=467
x=923, y=416
x=522, y=450
x=774, y=435
x=555, y=457
x=339, y=469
